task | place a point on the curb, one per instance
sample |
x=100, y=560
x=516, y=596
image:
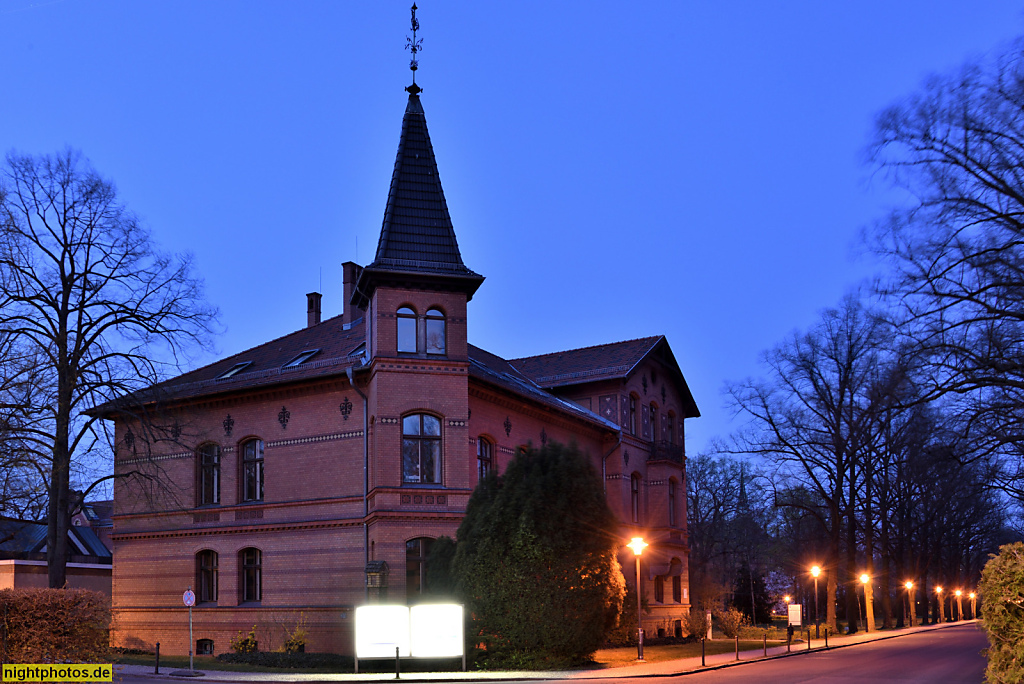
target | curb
x=211, y=675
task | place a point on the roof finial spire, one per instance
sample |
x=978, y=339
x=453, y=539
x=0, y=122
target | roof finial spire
x=414, y=46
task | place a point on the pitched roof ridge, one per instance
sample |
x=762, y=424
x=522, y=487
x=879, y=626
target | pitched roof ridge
x=653, y=338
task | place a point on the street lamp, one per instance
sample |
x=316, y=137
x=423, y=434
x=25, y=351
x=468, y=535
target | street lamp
x=910, y=599
x=959, y=606
x=815, y=571
x=869, y=615
x=974, y=612
x=638, y=545
x=938, y=593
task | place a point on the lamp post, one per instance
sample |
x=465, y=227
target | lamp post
x=910, y=599
x=869, y=614
x=815, y=571
x=942, y=615
x=959, y=605
x=638, y=545
x=974, y=612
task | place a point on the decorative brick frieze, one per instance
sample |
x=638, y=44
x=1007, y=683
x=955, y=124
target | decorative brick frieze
x=316, y=438
x=249, y=514
x=211, y=516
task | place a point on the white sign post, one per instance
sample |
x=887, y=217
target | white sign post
x=189, y=599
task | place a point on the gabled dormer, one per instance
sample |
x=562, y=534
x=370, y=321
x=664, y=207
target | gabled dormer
x=416, y=289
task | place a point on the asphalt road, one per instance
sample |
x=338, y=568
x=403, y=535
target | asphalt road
x=950, y=655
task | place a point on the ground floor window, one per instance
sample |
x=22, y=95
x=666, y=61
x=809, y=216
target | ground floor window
x=206, y=576
x=252, y=575
x=677, y=589
x=204, y=647
x=416, y=551
x=659, y=589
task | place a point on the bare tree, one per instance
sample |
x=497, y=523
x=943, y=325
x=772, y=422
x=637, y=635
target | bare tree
x=957, y=148
x=96, y=310
x=811, y=417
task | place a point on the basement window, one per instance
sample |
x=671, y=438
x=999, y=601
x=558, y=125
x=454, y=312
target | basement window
x=301, y=358
x=234, y=370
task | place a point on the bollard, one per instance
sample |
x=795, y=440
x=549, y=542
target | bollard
x=766, y=644
x=157, y=670
x=397, y=660
x=826, y=637
x=702, y=664
x=789, y=642
x=737, y=647
x=808, y=640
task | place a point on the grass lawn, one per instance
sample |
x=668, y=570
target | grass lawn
x=626, y=655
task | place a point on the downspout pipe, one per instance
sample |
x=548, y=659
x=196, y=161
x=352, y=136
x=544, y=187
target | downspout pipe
x=366, y=478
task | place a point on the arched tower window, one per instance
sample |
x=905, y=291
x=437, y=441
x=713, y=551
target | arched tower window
x=670, y=428
x=435, y=332
x=406, y=329
x=654, y=422
x=208, y=457
x=421, y=449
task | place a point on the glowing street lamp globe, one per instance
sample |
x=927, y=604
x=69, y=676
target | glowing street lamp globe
x=638, y=545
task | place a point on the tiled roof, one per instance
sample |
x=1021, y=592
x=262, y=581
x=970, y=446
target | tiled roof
x=266, y=361
x=496, y=371
x=417, y=234
x=574, y=366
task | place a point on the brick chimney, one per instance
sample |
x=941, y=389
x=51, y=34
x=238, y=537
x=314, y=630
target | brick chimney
x=313, y=309
x=350, y=276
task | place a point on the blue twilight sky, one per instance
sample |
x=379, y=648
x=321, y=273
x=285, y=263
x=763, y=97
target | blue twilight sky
x=615, y=170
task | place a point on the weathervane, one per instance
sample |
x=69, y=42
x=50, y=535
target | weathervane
x=414, y=46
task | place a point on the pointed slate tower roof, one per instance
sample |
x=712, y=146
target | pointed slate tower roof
x=417, y=241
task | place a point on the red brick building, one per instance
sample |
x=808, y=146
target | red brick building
x=290, y=476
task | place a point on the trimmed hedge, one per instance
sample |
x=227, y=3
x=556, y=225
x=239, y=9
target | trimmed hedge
x=55, y=626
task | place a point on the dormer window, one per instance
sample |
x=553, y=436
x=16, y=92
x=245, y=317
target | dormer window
x=234, y=370
x=301, y=358
x=406, y=330
x=435, y=332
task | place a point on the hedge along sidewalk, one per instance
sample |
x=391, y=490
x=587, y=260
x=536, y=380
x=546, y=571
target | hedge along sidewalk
x=665, y=668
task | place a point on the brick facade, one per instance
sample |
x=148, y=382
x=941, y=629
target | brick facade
x=336, y=492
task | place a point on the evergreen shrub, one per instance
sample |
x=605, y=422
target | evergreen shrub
x=1002, y=614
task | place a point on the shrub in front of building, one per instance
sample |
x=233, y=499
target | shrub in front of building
x=55, y=626
x=1002, y=614
x=536, y=561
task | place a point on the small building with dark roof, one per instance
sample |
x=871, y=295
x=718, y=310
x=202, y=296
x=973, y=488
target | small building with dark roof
x=23, y=557
x=308, y=475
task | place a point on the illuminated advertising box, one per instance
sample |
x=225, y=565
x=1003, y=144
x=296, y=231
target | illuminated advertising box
x=424, y=631
x=436, y=630
x=380, y=629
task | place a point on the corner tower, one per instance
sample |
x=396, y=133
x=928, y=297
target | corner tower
x=420, y=470
x=417, y=251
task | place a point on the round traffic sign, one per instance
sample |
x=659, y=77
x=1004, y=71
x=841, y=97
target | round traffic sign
x=189, y=597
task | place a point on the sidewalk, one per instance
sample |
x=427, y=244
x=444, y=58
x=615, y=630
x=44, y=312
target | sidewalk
x=665, y=668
